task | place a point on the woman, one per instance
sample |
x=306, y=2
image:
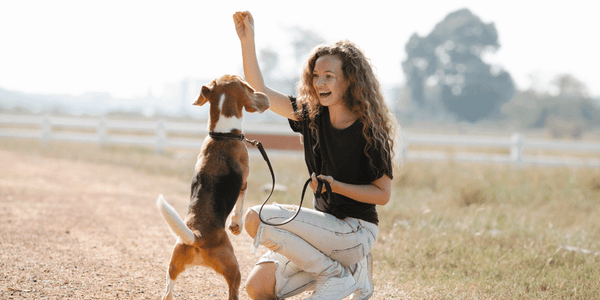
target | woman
x=348, y=136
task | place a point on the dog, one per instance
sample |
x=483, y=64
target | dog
x=218, y=186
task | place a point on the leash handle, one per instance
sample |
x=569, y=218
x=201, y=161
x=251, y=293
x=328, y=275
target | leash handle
x=320, y=184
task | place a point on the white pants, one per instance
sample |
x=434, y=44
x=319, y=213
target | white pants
x=313, y=244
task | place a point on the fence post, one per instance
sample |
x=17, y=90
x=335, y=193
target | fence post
x=46, y=129
x=161, y=136
x=102, y=131
x=516, y=148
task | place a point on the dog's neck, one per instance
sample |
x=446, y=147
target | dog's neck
x=227, y=125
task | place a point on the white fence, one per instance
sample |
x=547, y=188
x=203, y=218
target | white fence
x=589, y=153
x=162, y=134
x=106, y=131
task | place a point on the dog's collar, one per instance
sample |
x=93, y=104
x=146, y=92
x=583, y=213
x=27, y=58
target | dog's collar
x=227, y=136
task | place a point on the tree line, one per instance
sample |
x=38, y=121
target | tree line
x=448, y=80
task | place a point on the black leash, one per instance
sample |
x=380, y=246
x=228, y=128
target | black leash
x=258, y=144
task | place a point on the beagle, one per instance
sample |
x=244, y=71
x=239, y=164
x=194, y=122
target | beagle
x=218, y=186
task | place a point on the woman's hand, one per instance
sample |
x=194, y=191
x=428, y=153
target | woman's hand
x=244, y=25
x=314, y=182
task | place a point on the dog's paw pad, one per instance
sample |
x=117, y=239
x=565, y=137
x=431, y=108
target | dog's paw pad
x=235, y=229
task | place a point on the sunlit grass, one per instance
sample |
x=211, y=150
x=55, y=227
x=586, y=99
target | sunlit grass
x=451, y=230
x=493, y=231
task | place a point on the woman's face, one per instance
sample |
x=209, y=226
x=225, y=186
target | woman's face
x=329, y=81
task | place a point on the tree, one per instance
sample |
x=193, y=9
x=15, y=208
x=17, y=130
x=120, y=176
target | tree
x=568, y=111
x=569, y=87
x=450, y=60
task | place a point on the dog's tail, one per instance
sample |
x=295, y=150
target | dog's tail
x=176, y=224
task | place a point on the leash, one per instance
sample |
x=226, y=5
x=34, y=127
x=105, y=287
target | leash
x=258, y=144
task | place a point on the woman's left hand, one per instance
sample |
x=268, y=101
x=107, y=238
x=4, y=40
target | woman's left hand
x=314, y=183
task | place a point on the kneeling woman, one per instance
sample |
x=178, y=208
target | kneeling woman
x=348, y=133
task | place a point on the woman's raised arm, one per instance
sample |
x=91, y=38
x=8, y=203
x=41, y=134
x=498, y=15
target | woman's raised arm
x=244, y=26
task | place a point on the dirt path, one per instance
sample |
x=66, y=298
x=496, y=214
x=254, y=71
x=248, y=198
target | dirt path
x=78, y=230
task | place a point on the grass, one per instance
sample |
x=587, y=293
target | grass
x=492, y=231
x=451, y=230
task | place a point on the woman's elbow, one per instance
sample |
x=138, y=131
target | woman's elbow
x=384, y=184
x=384, y=198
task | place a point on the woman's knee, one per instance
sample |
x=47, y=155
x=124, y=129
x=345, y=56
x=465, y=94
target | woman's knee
x=261, y=281
x=251, y=222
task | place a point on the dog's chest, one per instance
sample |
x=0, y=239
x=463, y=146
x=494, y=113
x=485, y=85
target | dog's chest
x=215, y=189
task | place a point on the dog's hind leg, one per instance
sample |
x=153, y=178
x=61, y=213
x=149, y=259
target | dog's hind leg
x=224, y=262
x=183, y=256
x=237, y=223
x=170, y=285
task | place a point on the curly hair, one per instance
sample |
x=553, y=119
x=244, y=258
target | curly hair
x=363, y=96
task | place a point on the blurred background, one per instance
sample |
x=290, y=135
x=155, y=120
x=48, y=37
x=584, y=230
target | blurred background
x=444, y=65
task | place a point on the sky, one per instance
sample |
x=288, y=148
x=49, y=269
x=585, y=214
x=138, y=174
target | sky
x=130, y=47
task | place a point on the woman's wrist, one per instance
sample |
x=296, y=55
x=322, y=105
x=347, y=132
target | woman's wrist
x=334, y=186
x=248, y=45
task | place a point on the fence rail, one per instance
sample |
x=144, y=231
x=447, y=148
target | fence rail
x=164, y=134
x=516, y=146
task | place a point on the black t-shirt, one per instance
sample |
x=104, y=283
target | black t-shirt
x=340, y=154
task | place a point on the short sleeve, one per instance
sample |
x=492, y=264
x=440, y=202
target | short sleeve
x=297, y=126
x=382, y=165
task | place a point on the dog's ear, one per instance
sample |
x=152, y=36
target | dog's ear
x=257, y=101
x=203, y=98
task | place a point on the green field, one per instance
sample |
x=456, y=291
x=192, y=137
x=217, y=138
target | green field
x=451, y=230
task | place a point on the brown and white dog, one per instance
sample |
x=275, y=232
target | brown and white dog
x=219, y=184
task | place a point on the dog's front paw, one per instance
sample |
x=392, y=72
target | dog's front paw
x=236, y=224
x=235, y=229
